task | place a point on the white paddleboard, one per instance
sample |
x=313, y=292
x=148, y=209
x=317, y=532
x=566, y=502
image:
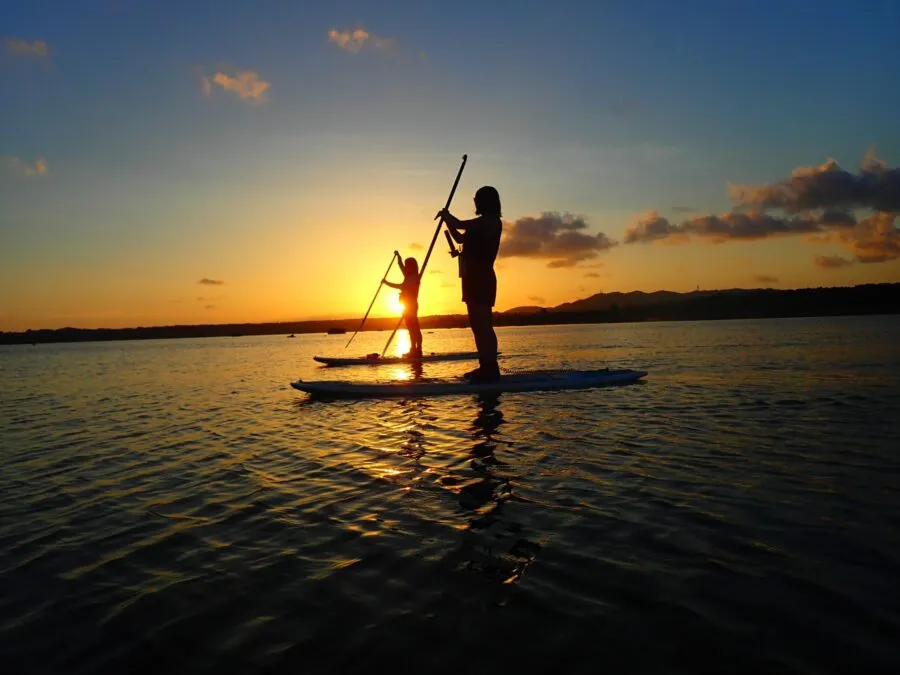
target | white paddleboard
x=517, y=382
x=377, y=359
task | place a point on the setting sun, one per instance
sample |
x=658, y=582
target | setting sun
x=394, y=305
x=416, y=317
x=105, y=227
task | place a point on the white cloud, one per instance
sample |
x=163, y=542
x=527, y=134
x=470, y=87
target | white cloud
x=246, y=84
x=354, y=41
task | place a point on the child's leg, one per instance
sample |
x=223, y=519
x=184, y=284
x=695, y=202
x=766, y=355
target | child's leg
x=415, y=334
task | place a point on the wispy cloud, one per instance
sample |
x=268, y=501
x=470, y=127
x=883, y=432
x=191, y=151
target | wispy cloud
x=555, y=237
x=416, y=246
x=38, y=49
x=356, y=40
x=831, y=262
x=817, y=201
x=205, y=281
x=19, y=167
x=764, y=279
x=538, y=300
x=683, y=209
x=732, y=225
x=248, y=85
x=592, y=275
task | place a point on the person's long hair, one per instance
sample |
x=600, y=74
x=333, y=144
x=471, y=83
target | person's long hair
x=487, y=202
x=411, y=267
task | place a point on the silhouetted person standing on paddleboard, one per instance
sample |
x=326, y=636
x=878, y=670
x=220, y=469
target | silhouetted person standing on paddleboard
x=480, y=239
x=409, y=297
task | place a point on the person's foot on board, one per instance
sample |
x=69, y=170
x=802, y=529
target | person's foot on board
x=484, y=373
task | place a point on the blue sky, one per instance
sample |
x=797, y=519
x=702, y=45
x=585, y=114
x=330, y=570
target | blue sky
x=156, y=175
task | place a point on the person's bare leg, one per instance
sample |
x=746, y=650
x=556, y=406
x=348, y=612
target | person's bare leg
x=481, y=322
x=415, y=335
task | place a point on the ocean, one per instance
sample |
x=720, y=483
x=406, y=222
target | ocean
x=174, y=506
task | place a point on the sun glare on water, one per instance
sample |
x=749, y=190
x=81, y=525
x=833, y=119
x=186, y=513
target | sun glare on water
x=401, y=342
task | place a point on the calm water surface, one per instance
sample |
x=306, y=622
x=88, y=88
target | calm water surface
x=174, y=506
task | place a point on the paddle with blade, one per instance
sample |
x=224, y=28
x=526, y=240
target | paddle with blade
x=399, y=260
x=437, y=231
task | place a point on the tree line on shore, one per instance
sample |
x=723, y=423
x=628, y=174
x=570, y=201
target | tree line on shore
x=599, y=308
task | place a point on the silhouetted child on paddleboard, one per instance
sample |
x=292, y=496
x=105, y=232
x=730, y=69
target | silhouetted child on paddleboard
x=409, y=297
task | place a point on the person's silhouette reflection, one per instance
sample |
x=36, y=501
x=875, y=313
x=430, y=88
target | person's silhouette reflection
x=492, y=544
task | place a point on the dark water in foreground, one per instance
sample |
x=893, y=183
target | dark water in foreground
x=173, y=506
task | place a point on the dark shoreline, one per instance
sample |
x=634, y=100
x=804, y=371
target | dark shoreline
x=601, y=308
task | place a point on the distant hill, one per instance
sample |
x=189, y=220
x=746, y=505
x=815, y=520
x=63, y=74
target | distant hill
x=605, y=301
x=617, y=301
x=526, y=309
x=736, y=303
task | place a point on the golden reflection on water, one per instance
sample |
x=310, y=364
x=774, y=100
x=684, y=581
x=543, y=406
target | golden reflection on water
x=401, y=342
x=400, y=373
x=157, y=475
x=473, y=487
x=405, y=373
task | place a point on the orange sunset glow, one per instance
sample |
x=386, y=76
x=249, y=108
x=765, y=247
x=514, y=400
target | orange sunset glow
x=212, y=187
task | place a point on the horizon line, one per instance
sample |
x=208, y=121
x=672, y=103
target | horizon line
x=435, y=316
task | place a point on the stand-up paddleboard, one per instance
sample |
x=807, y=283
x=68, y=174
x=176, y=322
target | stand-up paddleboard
x=376, y=359
x=516, y=382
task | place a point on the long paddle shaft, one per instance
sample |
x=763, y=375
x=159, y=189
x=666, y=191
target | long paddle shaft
x=396, y=256
x=437, y=231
